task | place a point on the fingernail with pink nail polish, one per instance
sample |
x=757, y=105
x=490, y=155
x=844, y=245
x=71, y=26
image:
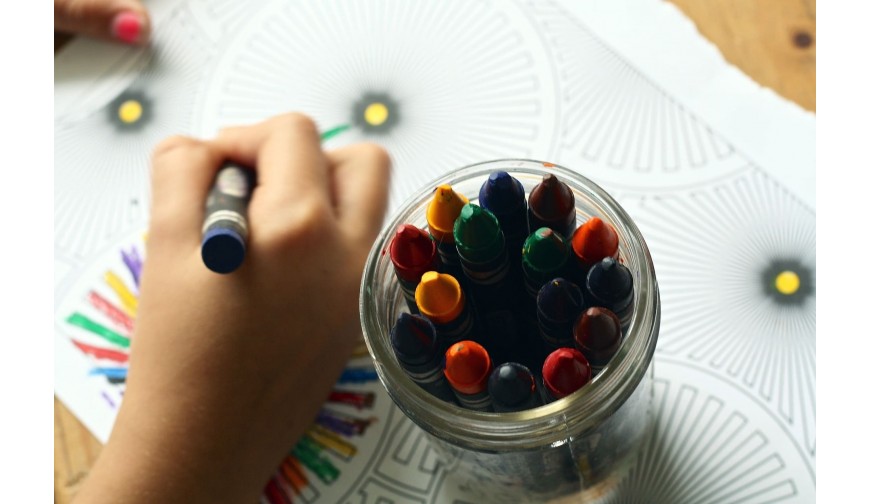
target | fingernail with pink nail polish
x=127, y=27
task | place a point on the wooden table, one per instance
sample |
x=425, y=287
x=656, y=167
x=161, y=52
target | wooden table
x=772, y=41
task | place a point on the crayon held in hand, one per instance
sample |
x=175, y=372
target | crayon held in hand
x=467, y=368
x=416, y=345
x=597, y=334
x=565, y=371
x=513, y=388
x=225, y=228
x=412, y=252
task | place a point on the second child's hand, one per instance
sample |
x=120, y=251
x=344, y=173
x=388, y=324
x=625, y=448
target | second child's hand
x=124, y=21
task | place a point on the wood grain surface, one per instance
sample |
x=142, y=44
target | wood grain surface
x=772, y=41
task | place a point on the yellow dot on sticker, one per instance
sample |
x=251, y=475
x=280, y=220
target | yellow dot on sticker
x=377, y=114
x=788, y=282
x=130, y=111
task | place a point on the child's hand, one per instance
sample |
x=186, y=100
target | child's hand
x=227, y=371
x=120, y=20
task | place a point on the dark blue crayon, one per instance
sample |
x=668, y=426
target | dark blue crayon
x=512, y=387
x=494, y=285
x=505, y=197
x=415, y=343
x=560, y=303
x=225, y=227
x=610, y=284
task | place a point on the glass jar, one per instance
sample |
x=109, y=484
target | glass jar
x=580, y=445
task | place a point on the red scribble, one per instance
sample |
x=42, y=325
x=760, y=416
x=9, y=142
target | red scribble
x=274, y=494
x=102, y=353
x=359, y=400
x=115, y=314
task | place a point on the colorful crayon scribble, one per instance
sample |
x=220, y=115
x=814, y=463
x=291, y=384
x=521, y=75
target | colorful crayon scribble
x=101, y=328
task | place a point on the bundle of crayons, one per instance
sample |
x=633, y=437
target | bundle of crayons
x=511, y=304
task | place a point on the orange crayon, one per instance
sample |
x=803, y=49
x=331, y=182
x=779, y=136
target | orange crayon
x=467, y=368
x=593, y=241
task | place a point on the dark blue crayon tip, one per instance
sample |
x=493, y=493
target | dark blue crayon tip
x=502, y=193
x=512, y=388
x=611, y=284
x=413, y=339
x=223, y=250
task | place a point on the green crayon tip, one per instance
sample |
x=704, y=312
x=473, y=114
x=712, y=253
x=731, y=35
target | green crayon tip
x=477, y=233
x=545, y=251
x=334, y=132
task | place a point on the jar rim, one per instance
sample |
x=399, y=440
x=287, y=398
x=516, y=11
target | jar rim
x=581, y=411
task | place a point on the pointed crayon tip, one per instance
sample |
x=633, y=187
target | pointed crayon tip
x=443, y=211
x=551, y=204
x=551, y=199
x=609, y=280
x=598, y=334
x=595, y=240
x=560, y=300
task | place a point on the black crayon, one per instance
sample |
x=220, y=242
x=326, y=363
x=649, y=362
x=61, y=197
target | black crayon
x=610, y=284
x=512, y=387
x=560, y=303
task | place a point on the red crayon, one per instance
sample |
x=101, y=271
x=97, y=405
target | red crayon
x=565, y=371
x=467, y=368
x=412, y=252
x=598, y=335
x=593, y=241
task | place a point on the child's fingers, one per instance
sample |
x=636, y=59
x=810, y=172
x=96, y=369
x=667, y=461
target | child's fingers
x=286, y=153
x=361, y=179
x=121, y=20
x=183, y=170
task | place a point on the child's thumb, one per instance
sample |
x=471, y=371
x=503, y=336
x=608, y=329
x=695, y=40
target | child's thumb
x=121, y=20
